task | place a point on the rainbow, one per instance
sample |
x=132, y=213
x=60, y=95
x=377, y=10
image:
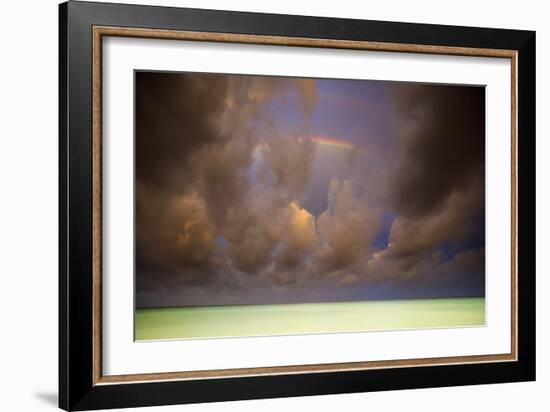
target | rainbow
x=320, y=140
x=333, y=142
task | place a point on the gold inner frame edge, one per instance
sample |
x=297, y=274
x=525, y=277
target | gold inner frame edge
x=98, y=32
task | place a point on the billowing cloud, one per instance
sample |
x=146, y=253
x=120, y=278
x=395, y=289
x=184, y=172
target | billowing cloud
x=437, y=178
x=193, y=193
x=412, y=238
x=175, y=116
x=345, y=229
x=287, y=164
x=468, y=262
x=221, y=190
x=441, y=147
x=298, y=237
x=181, y=236
x=270, y=229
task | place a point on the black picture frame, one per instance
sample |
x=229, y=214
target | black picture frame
x=77, y=390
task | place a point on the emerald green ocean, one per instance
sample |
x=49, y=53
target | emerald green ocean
x=289, y=319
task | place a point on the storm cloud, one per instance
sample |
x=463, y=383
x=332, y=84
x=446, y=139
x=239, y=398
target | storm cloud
x=226, y=164
x=437, y=180
x=442, y=138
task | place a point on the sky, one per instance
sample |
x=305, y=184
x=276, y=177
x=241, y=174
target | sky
x=257, y=189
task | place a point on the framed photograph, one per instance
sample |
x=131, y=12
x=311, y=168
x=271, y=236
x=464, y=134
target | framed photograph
x=257, y=205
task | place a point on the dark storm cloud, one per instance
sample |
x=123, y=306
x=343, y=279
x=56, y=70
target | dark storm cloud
x=437, y=177
x=411, y=239
x=193, y=153
x=442, y=138
x=177, y=119
x=175, y=116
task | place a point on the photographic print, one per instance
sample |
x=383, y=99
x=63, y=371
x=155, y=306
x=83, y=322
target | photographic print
x=279, y=206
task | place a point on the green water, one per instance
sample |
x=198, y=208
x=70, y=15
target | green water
x=257, y=320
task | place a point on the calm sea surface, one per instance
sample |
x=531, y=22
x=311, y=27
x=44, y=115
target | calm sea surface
x=257, y=320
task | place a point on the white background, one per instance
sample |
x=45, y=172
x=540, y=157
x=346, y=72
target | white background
x=28, y=218
x=123, y=356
